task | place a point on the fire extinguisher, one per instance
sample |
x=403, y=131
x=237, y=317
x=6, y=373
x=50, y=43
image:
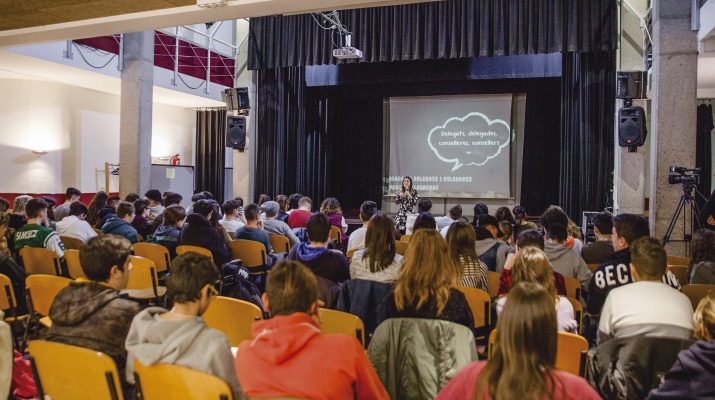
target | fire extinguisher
x=176, y=160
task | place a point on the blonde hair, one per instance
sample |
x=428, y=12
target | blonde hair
x=427, y=272
x=705, y=316
x=532, y=265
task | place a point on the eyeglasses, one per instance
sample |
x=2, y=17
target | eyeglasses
x=213, y=290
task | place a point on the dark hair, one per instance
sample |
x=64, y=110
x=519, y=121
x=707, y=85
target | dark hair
x=216, y=208
x=630, y=227
x=78, y=209
x=124, y=209
x=291, y=287
x=460, y=243
x=4, y=204
x=198, y=196
x=558, y=232
x=34, y=207
x=229, y=206
x=209, y=195
x=293, y=200
x=318, y=227
x=530, y=237
x=380, y=242
x=702, y=248
x=479, y=209
x=132, y=197
x=101, y=253
x=263, y=198
x=604, y=222
x=153, y=194
x=140, y=205
x=554, y=215
x=172, y=198
x=190, y=273
x=173, y=214
x=402, y=185
x=113, y=201
x=424, y=220
x=50, y=204
x=71, y=192
x=424, y=205
x=239, y=199
x=282, y=201
x=368, y=208
x=97, y=203
x=203, y=207
x=649, y=258
x=252, y=211
x=455, y=212
x=482, y=233
x=504, y=214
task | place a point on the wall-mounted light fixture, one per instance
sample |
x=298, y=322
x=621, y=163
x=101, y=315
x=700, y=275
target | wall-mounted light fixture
x=40, y=152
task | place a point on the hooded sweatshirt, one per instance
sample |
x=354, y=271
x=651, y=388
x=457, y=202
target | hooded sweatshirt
x=168, y=236
x=493, y=258
x=188, y=343
x=290, y=357
x=568, y=263
x=692, y=375
x=326, y=263
x=120, y=227
x=197, y=231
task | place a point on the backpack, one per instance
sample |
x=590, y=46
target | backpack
x=237, y=284
x=17, y=275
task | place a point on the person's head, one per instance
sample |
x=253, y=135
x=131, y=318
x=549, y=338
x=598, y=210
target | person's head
x=197, y=197
x=141, y=207
x=455, y=212
x=330, y=206
x=525, y=349
x=132, y=197
x=293, y=200
x=479, y=209
x=97, y=203
x=105, y=258
x=174, y=215
x=702, y=247
x=239, y=200
x=557, y=232
x=192, y=279
x=252, y=213
x=4, y=204
x=460, y=242
x=208, y=195
x=4, y=220
x=305, y=203
x=379, y=242
x=271, y=208
x=626, y=229
x=318, y=228
x=114, y=201
x=554, y=215
x=519, y=214
x=35, y=208
x=263, y=198
x=504, y=214
x=125, y=211
x=291, y=287
x=602, y=224
x=153, y=196
x=368, y=208
x=72, y=194
x=50, y=204
x=407, y=184
x=648, y=259
x=424, y=205
x=491, y=224
x=507, y=229
x=530, y=238
x=20, y=202
x=172, y=198
x=704, y=318
x=230, y=207
x=78, y=209
x=483, y=233
x=282, y=201
x=427, y=272
x=424, y=220
x=532, y=265
x=203, y=207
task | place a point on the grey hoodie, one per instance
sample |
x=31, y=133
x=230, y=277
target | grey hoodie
x=482, y=246
x=568, y=263
x=188, y=343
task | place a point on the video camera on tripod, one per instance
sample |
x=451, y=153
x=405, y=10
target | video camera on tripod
x=684, y=175
x=687, y=207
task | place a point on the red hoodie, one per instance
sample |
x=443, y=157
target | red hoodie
x=290, y=357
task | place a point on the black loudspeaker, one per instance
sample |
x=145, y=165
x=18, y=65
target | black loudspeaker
x=236, y=99
x=631, y=127
x=236, y=132
x=630, y=84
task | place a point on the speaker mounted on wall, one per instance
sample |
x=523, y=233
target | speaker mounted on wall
x=236, y=132
x=630, y=85
x=236, y=99
x=631, y=126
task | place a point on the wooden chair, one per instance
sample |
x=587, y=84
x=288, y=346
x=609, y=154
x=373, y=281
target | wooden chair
x=573, y=287
x=480, y=304
x=400, y=247
x=231, y=233
x=681, y=273
x=99, y=231
x=578, y=313
x=350, y=254
x=593, y=267
x=41, y=292
x=8, y=303
x=143, y=280
x=678, y=260
x=169, y=382
x=405, y=238
x=336, y=235
x=71, y=243
x=253, y=255
x=69, y=372
x=333, y=321
x=194, y=249
x=279, y=243
x=571, y=351
x=155, y=252
x=74, y=266
x=39, y=260
x=494, y=281
x=696, y=292
x=232, y=317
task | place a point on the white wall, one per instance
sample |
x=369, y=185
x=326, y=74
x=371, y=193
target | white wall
x=79, y=129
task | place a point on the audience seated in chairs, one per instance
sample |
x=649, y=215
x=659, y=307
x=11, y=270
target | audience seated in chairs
x=197, y=231
x=378, y=261
x=74, y=224
x=92, y=313
x=299, y=217
x=232, y=216
x=527, y=238
x=460, y=241
x=331, y=208
x=563, y=259
x=491, y=251
x=35, y=233
x=602, y=249
x=289, y=357
x=522, y=365
x=140, y=222
x=62, y=210
x=121, y=224
x=702, y=258
x=180, y=336
x=357, y=239
x=274, y=226
x=254, y=230
x=169, y=232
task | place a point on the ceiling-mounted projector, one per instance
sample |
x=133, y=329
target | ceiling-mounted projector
x=347, y=53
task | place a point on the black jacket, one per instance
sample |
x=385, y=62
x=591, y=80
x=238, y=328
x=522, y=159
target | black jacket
x=613, y=273
x=197, y=231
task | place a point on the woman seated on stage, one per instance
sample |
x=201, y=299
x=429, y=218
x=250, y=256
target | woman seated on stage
x=378, y=261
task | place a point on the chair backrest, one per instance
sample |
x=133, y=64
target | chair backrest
x=71, y=242
x=252, y=253
x=494, y=280
x=577, y=313
x=42, y=290
x=64, y=372
x=336, y=234
x=7, y=297
x=573, y=287
x=678, y=260
x=681, y=273
x=279, y=243
x=185, y=248
x=400, y=247
x=233, y=317
x=593, y=267
x=405, y=238
x=480, y=304
x=333, y=321
x=143, y=275
x=696, y=292
x=39, y=260
x=155, y=252
x=350, y=254
x=168, y=381
x=74, y=266
x=231, y=233
x=99, y=231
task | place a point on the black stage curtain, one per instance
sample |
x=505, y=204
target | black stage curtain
x=437, y=30
x=703, y=149
x=587, y=140
x=210, y=151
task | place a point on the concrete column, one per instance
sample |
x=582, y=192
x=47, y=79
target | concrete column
x=136, y=113
x=673, y=120
x=242, y=161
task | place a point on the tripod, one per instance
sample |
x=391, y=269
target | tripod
x=687, y=202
